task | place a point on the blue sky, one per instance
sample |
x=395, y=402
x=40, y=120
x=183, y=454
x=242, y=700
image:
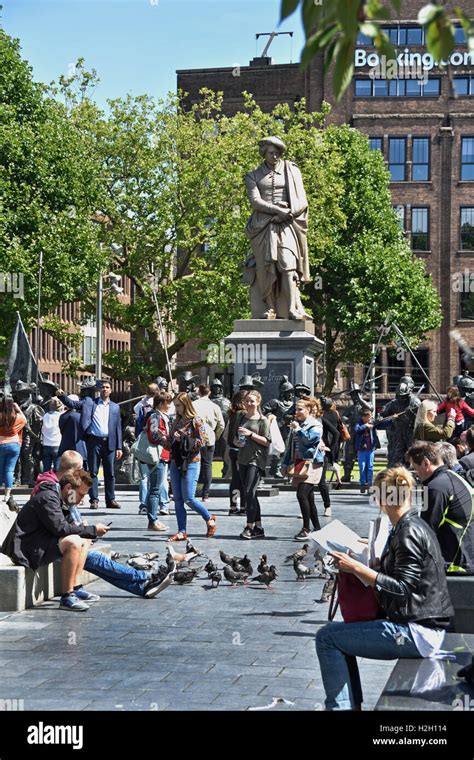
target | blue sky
x=137, y=45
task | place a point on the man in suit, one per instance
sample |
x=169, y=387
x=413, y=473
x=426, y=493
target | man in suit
x=69, y=425
x=101, y=428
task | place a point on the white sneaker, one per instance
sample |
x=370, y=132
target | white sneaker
x=327, y=512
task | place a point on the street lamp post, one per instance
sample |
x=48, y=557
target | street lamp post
x=38, y=317
x=98, y=327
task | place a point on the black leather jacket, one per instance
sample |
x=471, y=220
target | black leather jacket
x=411, y=585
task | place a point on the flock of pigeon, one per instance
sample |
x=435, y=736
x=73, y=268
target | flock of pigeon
x=236, y=570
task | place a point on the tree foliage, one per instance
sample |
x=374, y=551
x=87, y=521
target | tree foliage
x=48, y=185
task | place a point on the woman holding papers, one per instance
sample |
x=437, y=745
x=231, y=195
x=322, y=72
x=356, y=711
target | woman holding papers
x=306, y=451
x=412, y=592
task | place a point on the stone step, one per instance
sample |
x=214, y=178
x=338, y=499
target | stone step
x=21, y=588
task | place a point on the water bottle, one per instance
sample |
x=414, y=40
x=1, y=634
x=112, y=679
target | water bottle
x=242, y=438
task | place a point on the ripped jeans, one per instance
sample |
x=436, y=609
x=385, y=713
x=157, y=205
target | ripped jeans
x=339, y=644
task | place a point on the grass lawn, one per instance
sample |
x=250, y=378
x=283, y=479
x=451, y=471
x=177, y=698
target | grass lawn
x=379, y=465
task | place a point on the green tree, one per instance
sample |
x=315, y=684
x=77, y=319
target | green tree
x=48, y=190
x=333, y=27
x=368, y=270
x=174, y=192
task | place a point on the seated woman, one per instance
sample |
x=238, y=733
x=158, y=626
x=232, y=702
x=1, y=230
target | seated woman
x=426, y=430
x=412, y=591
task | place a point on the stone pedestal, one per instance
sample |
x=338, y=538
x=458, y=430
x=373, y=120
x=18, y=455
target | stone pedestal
x=274, y=347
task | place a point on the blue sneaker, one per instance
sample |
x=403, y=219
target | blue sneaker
x=71, y=602
x=86, y=596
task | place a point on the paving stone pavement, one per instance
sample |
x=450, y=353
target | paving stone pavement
x=192, y=647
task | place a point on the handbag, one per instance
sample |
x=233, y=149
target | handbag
x=343, y=429
x=144, y=451
x=358, y=603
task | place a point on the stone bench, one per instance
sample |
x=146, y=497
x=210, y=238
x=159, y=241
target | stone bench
x=21, y=587
x=428, y=684
x=461, y=591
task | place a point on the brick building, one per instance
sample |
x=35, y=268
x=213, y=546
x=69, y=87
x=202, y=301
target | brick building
x=424, y=130
x=53, y=355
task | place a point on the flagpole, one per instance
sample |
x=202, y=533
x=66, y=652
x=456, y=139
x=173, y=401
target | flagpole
x=38, y=316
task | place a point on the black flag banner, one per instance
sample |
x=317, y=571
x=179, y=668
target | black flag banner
x=21, y=363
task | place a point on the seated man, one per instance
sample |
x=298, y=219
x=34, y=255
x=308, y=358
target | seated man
x=42, y=533
x=70, y=460
x=448, y=506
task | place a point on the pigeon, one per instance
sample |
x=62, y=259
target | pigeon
x=300, y=569
x=178, y=557
x=238, y=568
x=267, y=577
x=140, y=563
x=300, y=554
x=318, y=555
x=244, y=562
x=233, y=577
x=226, y=558
x=215, y=577
x=210, y=567
x=190, y=549
x=186, y=575
x=263, y=567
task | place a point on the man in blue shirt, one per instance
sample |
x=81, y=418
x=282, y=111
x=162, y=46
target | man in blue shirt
x=101, y=428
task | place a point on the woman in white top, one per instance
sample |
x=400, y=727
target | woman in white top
x=51, y=435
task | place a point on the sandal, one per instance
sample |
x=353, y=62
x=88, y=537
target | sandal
x=211, y=529
x=179, y=536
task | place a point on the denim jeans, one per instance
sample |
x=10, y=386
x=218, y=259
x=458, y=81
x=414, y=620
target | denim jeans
x=184, y=490
x=9, y=453
x=123, y=576
x=144, y=486
x=157, y=473
x=366, y=466
x=50, y=458
x=97, y=452
x=338, y=645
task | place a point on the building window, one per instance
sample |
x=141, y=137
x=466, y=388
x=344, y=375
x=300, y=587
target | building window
x=459, y=35
x=396, y=88
x=363, y=40
x=380, y=88
x=397, y=151
x=363, y=88
x=376, y=143
x=420, y=170
x=400, y=212
x=467, y=229
x=88, y=349
x=467, y=158
x=420, y=229
x=432, y=87
x=423, y=356
x=415, y=35
x=462, y=85
x=413, y=88
x=466, y=300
